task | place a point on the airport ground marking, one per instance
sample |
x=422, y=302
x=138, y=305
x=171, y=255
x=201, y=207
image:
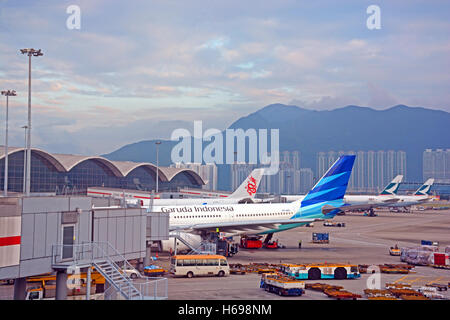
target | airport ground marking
x=400, y=279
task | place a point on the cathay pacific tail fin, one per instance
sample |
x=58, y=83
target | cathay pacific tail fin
x=425, y=189
x=392, y=187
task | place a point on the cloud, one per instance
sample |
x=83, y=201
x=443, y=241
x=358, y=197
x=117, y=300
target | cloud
x=167, y=61
x=380, y=97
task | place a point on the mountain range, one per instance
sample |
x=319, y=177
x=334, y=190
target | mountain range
x=411, y=129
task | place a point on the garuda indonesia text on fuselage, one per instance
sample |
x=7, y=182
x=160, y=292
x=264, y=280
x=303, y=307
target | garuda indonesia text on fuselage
x=322, y=202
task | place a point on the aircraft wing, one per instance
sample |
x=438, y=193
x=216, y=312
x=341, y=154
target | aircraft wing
x=251, y=227
x=265, y=200
x=361, y=205
x=390, y=200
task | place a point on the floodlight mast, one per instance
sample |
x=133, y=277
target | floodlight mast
x=27, y=167
x=8, y=93
x=24, y=159
x=157, y=165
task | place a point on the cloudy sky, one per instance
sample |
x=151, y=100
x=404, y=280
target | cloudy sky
x=136, y=70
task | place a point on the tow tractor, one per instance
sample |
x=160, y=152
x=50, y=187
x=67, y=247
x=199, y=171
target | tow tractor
x=394, y=251
x=282, y=285
x=370, y=213
x=271, y=245
x=328, y=223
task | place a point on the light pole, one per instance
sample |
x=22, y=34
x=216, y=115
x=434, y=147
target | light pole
x=157, y=164
x=8, y=93
x=24, y=160
x=30, y=53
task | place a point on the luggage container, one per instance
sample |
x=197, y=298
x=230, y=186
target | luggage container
x=418, y=256
x=320, y=237
x=429, y=243
x=440, y=260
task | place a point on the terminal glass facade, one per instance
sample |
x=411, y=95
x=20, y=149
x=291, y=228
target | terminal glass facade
x=45, y=178
x=141, y=178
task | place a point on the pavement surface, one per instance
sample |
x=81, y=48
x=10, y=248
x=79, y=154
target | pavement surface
x=364, y=240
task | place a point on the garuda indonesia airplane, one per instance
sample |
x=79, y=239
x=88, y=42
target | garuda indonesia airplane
x=322, y=202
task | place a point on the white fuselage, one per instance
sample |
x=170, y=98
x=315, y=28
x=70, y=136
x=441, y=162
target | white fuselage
x=358, y=202
x=181, y=216
x=352, y=199
x=291, y=198
x=190, y=202
x=406, y=201
x=369, y=199
x=185, y=216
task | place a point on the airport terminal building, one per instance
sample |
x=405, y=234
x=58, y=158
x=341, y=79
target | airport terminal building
x=73, y=174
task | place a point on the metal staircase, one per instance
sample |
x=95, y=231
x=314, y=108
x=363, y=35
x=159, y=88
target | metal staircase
x=118, y=280
x=183, y=239
x=115, y=275
x=205, y=247
x=112, y=266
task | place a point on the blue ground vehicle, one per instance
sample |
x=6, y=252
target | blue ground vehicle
x=321, y=271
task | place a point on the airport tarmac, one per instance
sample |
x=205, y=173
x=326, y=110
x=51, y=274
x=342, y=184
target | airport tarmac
x=364, y=240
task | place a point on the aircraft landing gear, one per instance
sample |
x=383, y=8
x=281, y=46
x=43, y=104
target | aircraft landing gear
x=268, y=238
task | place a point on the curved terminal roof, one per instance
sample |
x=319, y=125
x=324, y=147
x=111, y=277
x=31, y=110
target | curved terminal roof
x=127, y=167
x=70, y=161
x=66, y=162
x=172, y=172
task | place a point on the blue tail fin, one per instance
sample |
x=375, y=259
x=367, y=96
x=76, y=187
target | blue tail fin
x=327, y=195
x=333, y=184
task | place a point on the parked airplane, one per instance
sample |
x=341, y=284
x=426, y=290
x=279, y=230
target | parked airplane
x=244, y=193
x=368, y=202
x=420, y=196
x=322, y=202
